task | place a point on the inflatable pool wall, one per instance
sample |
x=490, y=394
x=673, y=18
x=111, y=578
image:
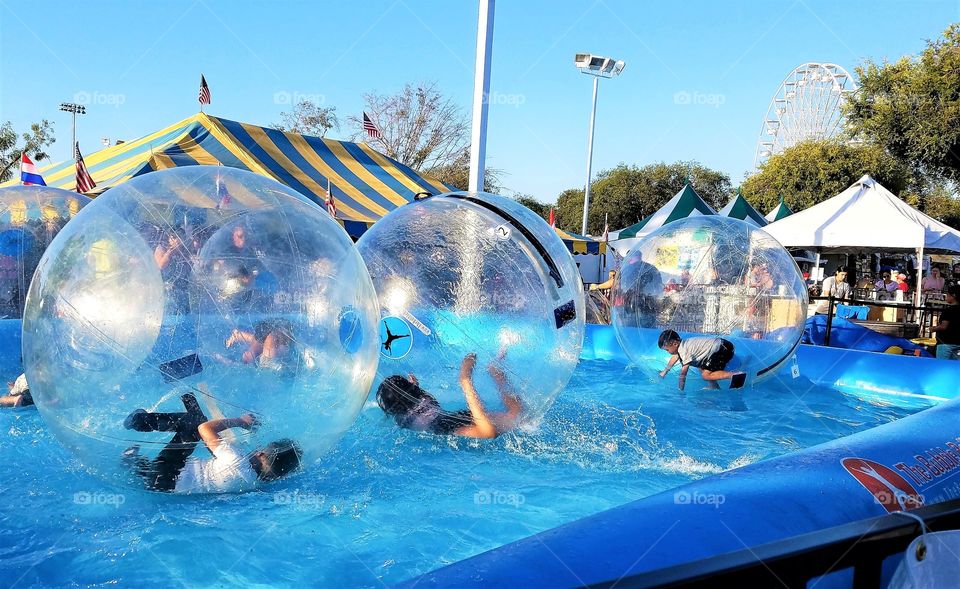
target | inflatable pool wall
x=873, y=376
x=901, y=465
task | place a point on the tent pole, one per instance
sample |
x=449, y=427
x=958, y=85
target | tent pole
x=816, y=268
x=916, y=295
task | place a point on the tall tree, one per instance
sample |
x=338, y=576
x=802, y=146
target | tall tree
x=309, y=118
x=533, y=204
x=13, y=144
x=911, y=107
x=626, y=194
x=418, y=125
x=457, y=174
x=813, y=171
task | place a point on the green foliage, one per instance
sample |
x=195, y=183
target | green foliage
x=457, y=174
x=534, y=205
x=309, y=118
x=627, y=194
x=34, y=142
x=813, y=171
x=911, y=107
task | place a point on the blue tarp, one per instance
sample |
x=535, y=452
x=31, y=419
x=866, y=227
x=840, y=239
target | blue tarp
x=847, y=334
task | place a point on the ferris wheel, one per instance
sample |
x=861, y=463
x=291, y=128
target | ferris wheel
x=806, y=106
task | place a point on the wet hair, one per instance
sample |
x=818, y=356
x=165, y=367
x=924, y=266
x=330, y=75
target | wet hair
x=286, y=458
x=666, y=337
x=398, y=396
x=841, y=269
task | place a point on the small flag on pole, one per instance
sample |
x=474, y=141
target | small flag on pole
x=29, y=176
x=84, y=182
x=553, y=219
x=372, y=131
x=331, y=204
x=204, y=96
x=606, y=230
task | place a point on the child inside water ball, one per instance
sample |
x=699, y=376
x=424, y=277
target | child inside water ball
x=414, y=408
x=710, y=354
x=228, y=471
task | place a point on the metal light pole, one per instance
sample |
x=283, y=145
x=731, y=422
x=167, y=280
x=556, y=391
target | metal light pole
x=481, y=91
x=599, y=67
x=75, y=109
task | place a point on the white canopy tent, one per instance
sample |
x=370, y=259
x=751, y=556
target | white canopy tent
x=865, y=217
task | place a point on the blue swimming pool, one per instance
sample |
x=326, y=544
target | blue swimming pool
x=387, y=504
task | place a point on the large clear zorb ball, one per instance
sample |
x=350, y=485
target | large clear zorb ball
x=710, y=277
x=464, y=274
x=30, y=217
x=200, y=295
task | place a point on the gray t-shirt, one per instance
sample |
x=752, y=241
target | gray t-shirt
x=695, y=351
x=840, y=290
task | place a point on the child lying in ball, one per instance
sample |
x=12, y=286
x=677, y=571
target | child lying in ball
x=227, y=471
x=19, y=393
x=710, y=354
x=416, y=409
x=268, y=345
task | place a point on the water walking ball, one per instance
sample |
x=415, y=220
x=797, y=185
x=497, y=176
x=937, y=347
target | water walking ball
x=195, y=294
x=713, y=277
x=473, y=273
x=30, y=217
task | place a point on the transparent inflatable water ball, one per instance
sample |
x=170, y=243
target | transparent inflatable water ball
x=200, y=329
x=710, y=278
x=30, y=217
x=473, y=286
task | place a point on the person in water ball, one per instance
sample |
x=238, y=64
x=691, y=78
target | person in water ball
x=710, y=354
x=19, y=393
x=228, y=471
x=414, y=408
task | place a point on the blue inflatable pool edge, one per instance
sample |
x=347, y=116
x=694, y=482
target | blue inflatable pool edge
x=900, y=465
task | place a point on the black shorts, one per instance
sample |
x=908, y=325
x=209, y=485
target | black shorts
x=720, y=358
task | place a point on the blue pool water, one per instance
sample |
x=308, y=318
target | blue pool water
x=388, y=504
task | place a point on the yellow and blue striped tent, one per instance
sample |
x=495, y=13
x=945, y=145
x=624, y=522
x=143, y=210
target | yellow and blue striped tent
x=365, y=183
x=579, y=244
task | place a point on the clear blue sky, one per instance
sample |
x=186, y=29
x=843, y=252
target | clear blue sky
x=137, y=65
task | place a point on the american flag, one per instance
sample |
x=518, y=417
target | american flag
x=84, y=182
x=204, y=96
x=331, y=204
x=370, y=128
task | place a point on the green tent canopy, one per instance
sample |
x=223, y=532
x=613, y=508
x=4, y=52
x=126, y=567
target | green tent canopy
x=779, y=212
x=686, y=203
x=739, y=208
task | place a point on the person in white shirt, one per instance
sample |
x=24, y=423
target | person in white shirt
x=836, y=286
x=19, y=393
x=710, y=354
x=228, y=471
